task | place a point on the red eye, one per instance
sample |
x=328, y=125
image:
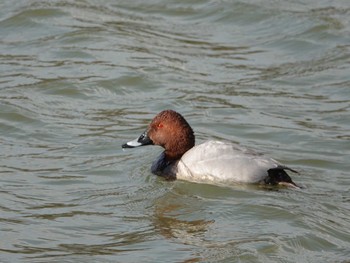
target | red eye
x=160, y=125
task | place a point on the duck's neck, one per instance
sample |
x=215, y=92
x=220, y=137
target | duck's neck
x=176, y=148
x=171, y=156
x=175, y=152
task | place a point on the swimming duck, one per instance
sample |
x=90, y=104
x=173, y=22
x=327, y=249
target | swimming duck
x=214, y=162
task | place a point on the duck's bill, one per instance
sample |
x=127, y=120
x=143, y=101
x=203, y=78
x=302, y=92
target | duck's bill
x=132, y=144
x=140, y=141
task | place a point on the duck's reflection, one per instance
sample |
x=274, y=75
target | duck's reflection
x=181, y=217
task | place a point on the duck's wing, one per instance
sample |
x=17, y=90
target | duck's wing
x=225, y=162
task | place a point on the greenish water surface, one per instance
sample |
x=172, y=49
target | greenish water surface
x=79, y=78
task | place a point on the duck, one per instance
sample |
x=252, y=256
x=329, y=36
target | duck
x=213, y=162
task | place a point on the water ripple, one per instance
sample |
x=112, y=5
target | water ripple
x=78, y=79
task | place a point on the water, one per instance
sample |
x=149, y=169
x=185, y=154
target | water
x=79, y=78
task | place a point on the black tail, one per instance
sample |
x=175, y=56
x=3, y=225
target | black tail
x=279, y=176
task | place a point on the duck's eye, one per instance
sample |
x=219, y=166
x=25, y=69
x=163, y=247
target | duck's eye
x=160, y=125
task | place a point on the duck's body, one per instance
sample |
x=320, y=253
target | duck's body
x=223, y=163
x=209, y=162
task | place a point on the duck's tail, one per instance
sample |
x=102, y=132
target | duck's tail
x=278, y=176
